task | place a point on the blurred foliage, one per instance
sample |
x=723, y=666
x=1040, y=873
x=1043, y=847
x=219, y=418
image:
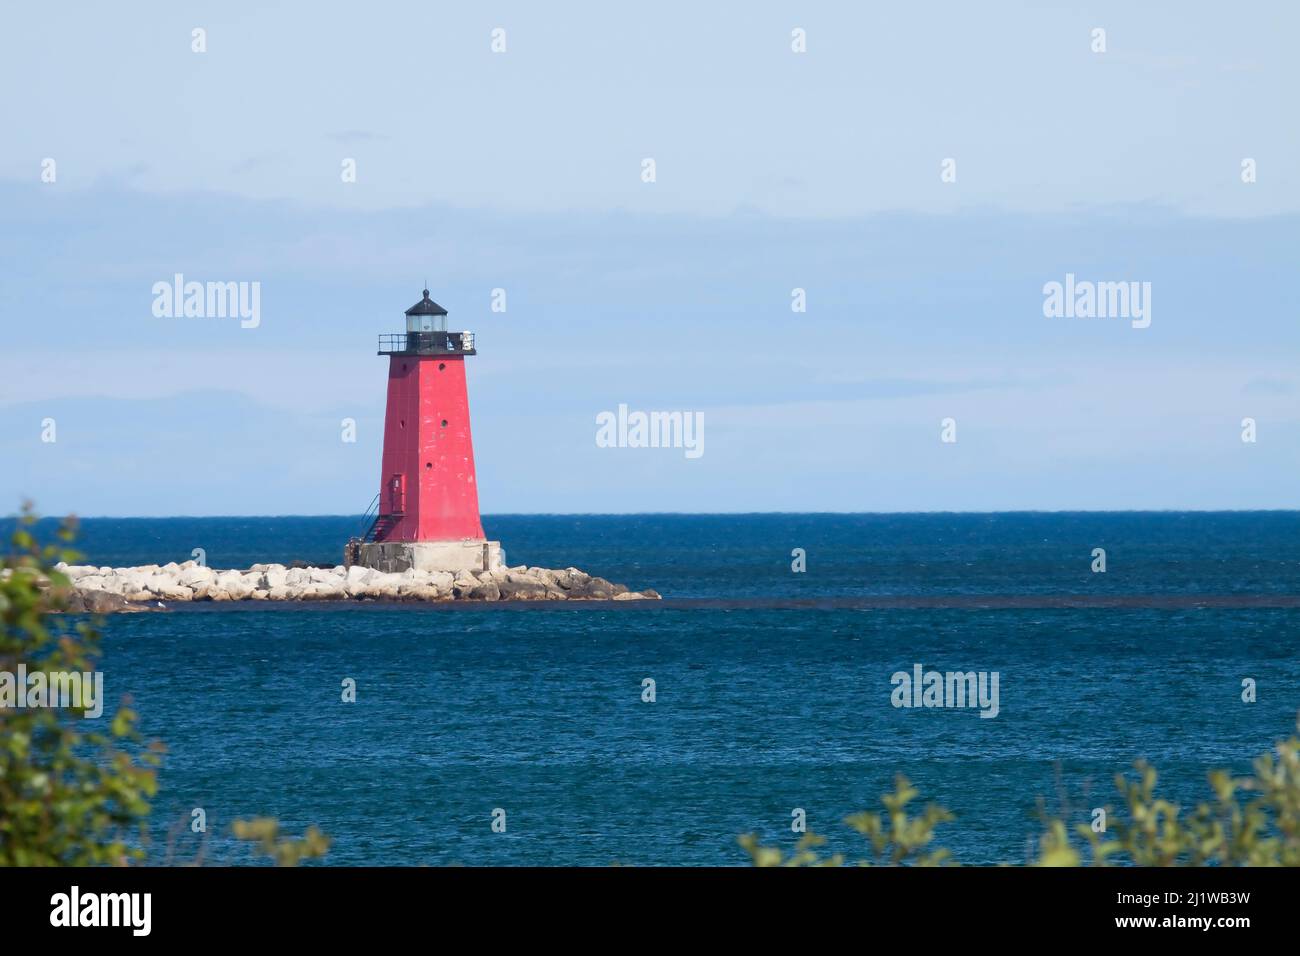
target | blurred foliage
x=264, y=832
x=1251, y=821
x=894, y=837
x=70, y=793
x=805, y=852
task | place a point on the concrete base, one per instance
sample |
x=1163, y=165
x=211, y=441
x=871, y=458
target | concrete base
x=464, y=555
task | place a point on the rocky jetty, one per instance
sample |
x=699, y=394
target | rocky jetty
x=105, y=589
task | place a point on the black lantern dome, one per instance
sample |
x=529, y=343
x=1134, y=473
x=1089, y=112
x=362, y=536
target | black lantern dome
x=426, y=333
x=426, y=316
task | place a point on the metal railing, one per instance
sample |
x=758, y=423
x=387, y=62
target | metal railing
x=427, y=343
x=368, y=518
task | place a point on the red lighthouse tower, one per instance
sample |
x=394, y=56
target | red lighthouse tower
x=426, y=513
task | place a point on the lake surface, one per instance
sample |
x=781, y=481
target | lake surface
x=759, y=709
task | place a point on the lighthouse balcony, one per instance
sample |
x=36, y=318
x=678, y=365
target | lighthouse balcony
x=427, y=343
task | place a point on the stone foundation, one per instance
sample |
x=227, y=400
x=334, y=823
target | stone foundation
x=464, y=555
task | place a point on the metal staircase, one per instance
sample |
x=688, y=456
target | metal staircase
x=375, y=526
x=380, y=527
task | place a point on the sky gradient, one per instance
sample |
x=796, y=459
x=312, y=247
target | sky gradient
x=522, y=171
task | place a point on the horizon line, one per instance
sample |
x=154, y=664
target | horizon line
x=636, y=514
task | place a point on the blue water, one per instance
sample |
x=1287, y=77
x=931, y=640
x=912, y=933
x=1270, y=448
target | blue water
x=758, y=711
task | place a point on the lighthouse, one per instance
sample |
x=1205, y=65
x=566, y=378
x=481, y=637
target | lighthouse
x=426, y=513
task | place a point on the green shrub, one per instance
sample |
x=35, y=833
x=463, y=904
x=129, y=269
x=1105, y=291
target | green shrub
x=1251, y=821
x=71, y=793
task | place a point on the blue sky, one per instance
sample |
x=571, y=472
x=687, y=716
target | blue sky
x=775, y=170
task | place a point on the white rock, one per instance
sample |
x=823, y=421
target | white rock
x=75, y=572
x=232, y=586
x=543, y=575
x=420, y=587
x=164, y=586
x=158, y=582
x=387, y=582
x=428, y=592
x=191, y=581
x=195, y=575
x=323, y=590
